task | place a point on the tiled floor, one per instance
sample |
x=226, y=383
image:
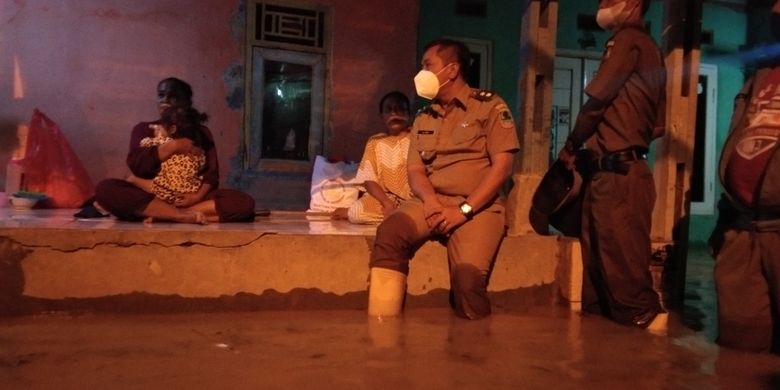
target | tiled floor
x=281, y=222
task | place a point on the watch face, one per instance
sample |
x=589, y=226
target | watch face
x=465, y=208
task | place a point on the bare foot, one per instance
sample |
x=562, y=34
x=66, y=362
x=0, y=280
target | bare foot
x=193, y=217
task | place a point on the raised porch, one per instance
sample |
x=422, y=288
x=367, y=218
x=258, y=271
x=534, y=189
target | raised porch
x=50, y=261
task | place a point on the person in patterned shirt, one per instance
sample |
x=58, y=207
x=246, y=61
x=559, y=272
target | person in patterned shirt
x=382, y=169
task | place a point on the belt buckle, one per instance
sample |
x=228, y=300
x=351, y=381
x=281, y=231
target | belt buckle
x=605, y=163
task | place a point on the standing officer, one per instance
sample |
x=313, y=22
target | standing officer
x=746, y=241
x=460, y=155
x=625, y=111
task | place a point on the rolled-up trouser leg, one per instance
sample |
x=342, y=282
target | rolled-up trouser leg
x=472, y=249
x=398, y=237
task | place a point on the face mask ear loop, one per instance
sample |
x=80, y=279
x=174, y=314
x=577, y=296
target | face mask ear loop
x=442, y=70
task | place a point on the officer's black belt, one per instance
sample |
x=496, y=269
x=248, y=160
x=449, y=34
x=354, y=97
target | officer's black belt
x=616, y=161
x=766, y=215
x=761, y=221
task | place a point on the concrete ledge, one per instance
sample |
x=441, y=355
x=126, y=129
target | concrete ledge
x=138, y=270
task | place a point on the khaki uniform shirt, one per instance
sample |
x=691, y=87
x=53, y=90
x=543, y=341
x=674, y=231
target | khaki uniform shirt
x=455, y=142
x=631, y=81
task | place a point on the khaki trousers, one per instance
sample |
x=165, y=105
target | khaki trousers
x=747, y=282
x=616, y=216
x=471, y=251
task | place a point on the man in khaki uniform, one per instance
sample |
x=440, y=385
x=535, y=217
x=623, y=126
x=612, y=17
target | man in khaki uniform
x=624, y=113
x=460, y=155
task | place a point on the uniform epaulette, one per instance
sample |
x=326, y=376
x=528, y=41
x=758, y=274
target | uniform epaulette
x=425, y=109
x=482, y=94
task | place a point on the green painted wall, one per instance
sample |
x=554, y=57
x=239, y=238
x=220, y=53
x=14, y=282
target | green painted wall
x=729, y=33
x=502, y=27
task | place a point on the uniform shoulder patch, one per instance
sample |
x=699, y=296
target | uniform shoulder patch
x=504, y=116
x=608, y=48
x=482, y=94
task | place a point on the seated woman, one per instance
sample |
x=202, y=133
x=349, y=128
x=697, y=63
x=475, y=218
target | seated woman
x=179, y=174
x=383, y=166
x=128, y=202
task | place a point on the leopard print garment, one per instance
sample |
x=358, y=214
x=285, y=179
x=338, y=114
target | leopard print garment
x=179, y=174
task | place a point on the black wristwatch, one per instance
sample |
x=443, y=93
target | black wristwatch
x=466, y=209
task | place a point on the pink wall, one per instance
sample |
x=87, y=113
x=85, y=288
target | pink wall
x=92, y=66
x=374, y=51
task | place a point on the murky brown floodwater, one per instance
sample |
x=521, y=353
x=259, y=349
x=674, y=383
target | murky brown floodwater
x=540, y=348
x=429, y=348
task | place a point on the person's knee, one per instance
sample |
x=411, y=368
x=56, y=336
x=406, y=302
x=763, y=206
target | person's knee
x=105, y=190
x=394, y=243
x=234, y=206
x=469, y=289
x=122, y=199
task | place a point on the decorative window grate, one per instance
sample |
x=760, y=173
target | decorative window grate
x=276, y=24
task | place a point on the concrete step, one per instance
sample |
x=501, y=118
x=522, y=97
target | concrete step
x=51, y=262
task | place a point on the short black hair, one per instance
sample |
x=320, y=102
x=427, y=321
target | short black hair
x=459, y=50
x=395, y=96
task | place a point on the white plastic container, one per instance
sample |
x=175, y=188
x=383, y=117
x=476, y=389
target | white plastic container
x=14, y=176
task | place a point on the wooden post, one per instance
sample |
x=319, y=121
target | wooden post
x=537, y=47
x=674, y=154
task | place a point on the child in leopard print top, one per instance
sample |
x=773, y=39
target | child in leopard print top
x=180, y=173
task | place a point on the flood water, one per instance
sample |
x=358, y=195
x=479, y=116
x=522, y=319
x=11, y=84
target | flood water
x=535, y=348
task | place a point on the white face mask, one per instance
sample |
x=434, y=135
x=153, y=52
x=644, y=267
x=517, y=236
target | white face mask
x=612, y=17
x=427, y=84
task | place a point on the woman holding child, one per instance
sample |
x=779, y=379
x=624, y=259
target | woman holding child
x=139, y=198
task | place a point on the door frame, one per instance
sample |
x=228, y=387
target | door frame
x=707, y=205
